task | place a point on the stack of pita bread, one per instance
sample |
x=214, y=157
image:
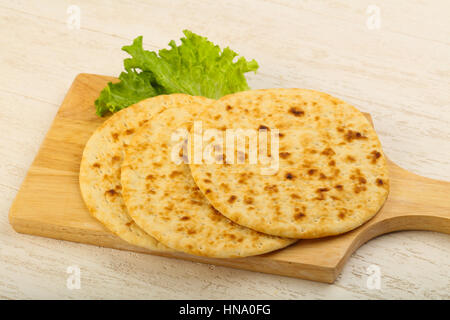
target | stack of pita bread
x=143, y=185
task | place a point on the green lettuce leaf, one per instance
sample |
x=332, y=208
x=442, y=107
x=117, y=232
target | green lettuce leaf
x=132, y=87
x=195, y=67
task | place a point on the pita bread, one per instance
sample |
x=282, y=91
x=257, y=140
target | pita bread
x=332, y=174
x=100, y=167
x=163, y=199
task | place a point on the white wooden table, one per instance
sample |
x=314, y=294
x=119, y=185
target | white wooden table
x=398, y=70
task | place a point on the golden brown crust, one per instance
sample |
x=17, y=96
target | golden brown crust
x=332, y=173
x=100, y=167
x=163, y=199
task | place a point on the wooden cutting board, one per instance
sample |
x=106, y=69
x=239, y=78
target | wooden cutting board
x=49, y=202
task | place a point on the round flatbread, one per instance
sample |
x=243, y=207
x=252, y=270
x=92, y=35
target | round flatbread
x=102, y=158
x=163, y=199
x=328, y=176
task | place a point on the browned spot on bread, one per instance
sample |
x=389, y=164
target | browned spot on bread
x=197, y=195
x=232, y=199
x=341, y=215
x=191, y=231
x=96, y=165
x=295, y=196
x=306, y=164
x=339, y=187
x=328, y=152
x=321, y=193
x=262, y=127
x=217, y=117
x=271, y=188
x=358, y=189
x=299, y=216
x=129, y=131
x=312, y=171
x=281, y=135
x=296, y=112
x=225, y=187
x=350, y=159
x=208, y=174
x=351, y=135
x=322, y=176
x=111, y=192
x=340, y=129
x=150, y=177
x=332, y=163
x=175, y=173
x=244, y=176
x=196, y=202
x=284, y=155
x=248, y=200
x=321, y=196
x=169, y=207
x=379, y=182
x=184, y=218
x=360, y=179
x=142, y=122
x=115, y=136
x=289, y=176
x=207, y=191
x=206, y=181
x=230, y=235
x=128, y=224
x=374, y=155
x=229, y=107
x=115, y=159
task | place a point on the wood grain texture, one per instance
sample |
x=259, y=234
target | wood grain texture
x=399, y=74
x=49, y=201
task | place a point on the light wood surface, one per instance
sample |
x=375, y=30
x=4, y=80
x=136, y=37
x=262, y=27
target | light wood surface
x=49, y=201
x=399, y=74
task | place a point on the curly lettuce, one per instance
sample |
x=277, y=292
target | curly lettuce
x=196, y=67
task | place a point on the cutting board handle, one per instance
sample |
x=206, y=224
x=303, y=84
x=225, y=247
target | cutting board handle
x=414, y=203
